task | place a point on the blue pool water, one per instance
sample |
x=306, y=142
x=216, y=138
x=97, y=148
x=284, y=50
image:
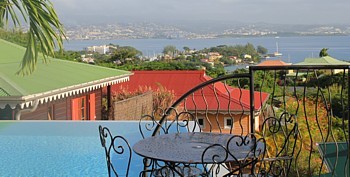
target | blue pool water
x=60, y=148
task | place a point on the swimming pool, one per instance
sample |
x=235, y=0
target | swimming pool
x=60, y=148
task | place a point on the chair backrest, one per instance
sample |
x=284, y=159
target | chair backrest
x=118, y=153
x=257, y=154
x=237, y=158
x=281, y=137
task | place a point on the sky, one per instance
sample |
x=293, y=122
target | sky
x=210, y=12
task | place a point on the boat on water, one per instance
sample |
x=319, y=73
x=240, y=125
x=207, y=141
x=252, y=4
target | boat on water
x=276, y=54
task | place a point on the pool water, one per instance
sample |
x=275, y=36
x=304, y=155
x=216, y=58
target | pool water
x=63, y=148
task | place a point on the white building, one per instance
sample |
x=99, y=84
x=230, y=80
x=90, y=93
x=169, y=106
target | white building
x=103, y=49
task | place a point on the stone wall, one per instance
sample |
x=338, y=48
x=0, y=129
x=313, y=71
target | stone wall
x=133, y=108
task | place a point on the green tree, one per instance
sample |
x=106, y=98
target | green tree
x=249, y=49
x=181, y=57
x=262, y=50
x=323, y=52
x=124, y=53
x=240, y=50
x=45, y=31
x=226, y=60
x=169, y=50
x=15, y=36
x=68, y=55
x=186, y=49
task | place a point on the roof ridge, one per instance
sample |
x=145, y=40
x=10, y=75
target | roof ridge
x=6, y=84
x=80, y=63
x=170, y=71
x=12, y=44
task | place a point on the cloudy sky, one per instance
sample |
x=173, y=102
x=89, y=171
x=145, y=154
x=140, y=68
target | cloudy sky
x=204, y=11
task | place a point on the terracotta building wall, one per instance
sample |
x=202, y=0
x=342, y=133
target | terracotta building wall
x=237, y=129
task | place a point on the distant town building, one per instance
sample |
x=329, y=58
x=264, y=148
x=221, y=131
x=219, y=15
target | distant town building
x=88, y=59
x=167, y=57
x=214, y=56
x=246, y=56
x=235, y=59
x=192, y=51
x=205, y=60
x=103, y=49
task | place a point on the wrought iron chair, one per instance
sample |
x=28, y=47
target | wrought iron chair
x=281, y=138
x=298, y=113
x=116, y=147
x=237, y=158
x=261, y=158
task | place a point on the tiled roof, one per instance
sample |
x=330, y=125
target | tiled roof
x=57, y=79
x=273, y=63
x=182, y=81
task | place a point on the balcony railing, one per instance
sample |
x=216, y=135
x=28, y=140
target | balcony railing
x=300, y=113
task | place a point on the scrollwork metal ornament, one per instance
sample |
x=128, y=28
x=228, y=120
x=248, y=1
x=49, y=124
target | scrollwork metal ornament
x=115, y=146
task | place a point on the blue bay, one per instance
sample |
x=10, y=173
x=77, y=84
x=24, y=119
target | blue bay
x=294, y=49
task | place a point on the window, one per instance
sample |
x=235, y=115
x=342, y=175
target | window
x=79, y=109
x=82, y=108
x=92, y=106
x=228, y=122
x=201, y=122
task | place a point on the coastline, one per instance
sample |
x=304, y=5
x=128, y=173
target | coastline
x=294, y=49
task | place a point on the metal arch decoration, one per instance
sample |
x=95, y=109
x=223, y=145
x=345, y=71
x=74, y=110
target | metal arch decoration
x=295, y=126
x=115, y=145
x=219, y=160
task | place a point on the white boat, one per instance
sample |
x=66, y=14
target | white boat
x=277, y=53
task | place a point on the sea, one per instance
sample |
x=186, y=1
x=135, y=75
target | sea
x=294, y=49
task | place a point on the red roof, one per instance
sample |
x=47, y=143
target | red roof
x=182, y=81
x=273, y=63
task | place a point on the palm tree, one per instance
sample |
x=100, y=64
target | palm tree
x=45, y=31
x=323, y=52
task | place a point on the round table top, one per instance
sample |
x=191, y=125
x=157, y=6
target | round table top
x=189, y=147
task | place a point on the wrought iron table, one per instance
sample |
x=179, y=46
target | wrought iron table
x=188, y=148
